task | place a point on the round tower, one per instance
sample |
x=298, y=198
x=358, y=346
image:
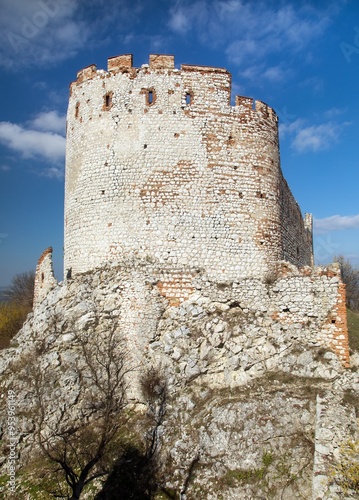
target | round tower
x=160, y=165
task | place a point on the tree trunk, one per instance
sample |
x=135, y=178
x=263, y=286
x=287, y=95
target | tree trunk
x=77, y=490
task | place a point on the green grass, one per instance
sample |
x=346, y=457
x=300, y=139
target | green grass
x=353, y=330
x=249, y=475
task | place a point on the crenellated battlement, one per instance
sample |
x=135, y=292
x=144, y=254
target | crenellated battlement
x=157, y=62
x=195, y=86
x=86, y=73
x=249, y=104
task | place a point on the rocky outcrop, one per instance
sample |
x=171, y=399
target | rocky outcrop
x=259, y=402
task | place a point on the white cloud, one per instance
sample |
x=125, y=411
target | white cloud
x=49, y=121
x=305, y=138
x=52, y=172
x=45, y=32
x=250, y=32
x=184, y=16
x=179, y=21
x=4, y=168
x=261, y=72
x=331, y=113
x=245, y=51
x=32, y=143
x=42, y=138
x=288, y=127
x=290, y=29
x=276, y=74
x=316, y=84
x=316, y=137
x=336, y=223
x=34, y=31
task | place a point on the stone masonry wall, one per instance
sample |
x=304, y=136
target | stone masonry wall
x=44, y=276
x=305, y=306
x=160, y=165
x=293, y=230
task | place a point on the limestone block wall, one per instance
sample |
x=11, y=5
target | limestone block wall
x=160, y=165
x=296, y=234
x=314, y=298
x=44, y=276
x=306, y=305
x=246, y=323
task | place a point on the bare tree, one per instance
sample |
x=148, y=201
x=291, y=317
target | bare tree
x=155, y=392
x=350, y=276
x=81, y=446
x=21, y=289
x=136, y=474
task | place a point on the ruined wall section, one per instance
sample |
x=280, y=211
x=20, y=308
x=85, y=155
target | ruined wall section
x=159, y=164
x=44, y=277
x=302, y=307
x=295, y=232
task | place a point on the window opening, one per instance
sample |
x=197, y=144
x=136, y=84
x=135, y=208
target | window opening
x=107, y=101
x=77, y=110
x=150, y=96
x=188, y=98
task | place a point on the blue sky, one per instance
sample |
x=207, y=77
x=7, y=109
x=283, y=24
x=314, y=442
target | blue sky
x=302, y=58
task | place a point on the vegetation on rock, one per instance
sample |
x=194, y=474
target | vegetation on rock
x=350, y=276
x=345, y=471
x=14, y=310
x=353, y=330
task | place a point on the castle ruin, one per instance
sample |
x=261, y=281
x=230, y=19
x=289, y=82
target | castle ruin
x=160, y=167
x=160, y=164
x=183, y=239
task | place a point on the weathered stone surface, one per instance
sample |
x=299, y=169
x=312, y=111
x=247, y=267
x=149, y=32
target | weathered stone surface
x=256, y=395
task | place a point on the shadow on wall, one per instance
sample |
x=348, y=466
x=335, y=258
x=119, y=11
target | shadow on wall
x=133, y=477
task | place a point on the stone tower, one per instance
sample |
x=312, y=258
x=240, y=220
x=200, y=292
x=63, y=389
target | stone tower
x=161, y=166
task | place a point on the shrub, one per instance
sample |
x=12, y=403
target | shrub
x=21, y=289
x=345, y=472
x=13, y=313
x=350, y=276
x=12, y=317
